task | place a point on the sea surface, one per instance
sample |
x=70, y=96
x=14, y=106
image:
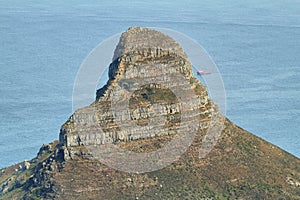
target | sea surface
x=255, y=44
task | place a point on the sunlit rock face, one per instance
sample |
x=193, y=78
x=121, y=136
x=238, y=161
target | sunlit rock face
x=150, y=85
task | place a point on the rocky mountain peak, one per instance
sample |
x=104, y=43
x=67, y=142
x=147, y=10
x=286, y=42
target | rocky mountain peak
x=148, y=69
x=150, y=100
x=147, y=42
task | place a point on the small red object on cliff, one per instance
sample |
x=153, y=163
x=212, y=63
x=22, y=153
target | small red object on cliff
x=202, y=72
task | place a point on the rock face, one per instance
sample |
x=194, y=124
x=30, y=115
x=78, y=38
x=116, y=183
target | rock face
x=151, y=97
x=150, y=76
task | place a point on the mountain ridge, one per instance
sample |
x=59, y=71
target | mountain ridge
x=240, y=166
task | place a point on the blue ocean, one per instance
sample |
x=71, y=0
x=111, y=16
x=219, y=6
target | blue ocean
x=255, y=44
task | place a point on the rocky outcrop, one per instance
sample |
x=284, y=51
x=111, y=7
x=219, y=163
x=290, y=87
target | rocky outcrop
x=150, y=95
x=7, y=185
x=148, y=68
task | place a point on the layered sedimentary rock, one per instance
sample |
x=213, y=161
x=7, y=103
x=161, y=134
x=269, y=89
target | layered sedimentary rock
x=151, y=91
x=150, y=98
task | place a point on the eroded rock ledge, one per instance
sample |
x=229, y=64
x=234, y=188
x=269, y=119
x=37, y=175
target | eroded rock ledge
x=149, y=59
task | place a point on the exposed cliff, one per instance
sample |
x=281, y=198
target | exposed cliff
x=151, y=76
x=147, y=63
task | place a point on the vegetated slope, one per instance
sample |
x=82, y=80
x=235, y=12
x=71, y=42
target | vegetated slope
x=240, y=166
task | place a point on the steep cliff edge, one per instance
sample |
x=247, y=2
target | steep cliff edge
x=151, y=76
